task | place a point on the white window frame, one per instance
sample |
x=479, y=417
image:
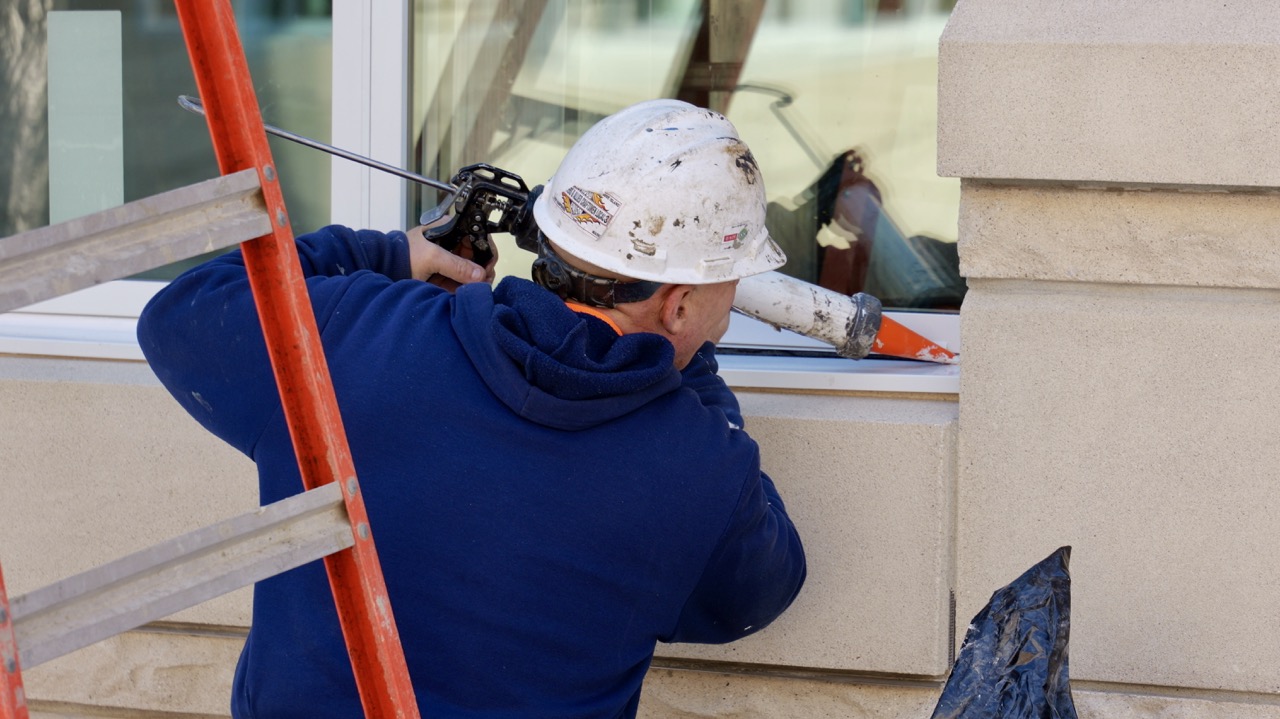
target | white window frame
x=370, y=116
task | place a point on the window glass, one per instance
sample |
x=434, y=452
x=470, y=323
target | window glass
x=77, y=147
x=836, y=99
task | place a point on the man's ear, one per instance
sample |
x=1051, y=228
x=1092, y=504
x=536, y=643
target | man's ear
x=675, y=308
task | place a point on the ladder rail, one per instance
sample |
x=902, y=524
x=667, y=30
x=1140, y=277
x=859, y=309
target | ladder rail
x=297, y=358
x=13, y=700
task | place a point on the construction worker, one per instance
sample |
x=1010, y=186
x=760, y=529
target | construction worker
x=556, y=480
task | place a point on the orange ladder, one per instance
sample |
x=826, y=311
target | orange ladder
x=329, y=519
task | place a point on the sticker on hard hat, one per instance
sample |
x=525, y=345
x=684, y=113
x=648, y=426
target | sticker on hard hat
x=734, y=239
x=592, y=211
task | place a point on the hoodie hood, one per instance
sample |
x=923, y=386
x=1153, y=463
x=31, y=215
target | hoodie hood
x=554, y=366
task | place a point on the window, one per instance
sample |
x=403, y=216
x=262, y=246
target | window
x=90, y=120
x=835, y=97
x=837, y=100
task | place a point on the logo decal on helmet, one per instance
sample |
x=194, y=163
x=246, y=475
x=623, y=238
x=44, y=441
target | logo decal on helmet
x=592, y=211
x=735, y=238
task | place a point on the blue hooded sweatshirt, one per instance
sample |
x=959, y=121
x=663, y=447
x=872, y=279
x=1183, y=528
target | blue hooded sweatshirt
x=549, y=499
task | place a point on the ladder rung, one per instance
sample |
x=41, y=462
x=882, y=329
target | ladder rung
x=179, y=573
x=132, y=238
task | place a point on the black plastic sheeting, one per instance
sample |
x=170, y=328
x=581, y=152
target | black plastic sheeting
x=1013, y=663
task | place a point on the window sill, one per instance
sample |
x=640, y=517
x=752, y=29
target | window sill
x=99, y=323
x=757, y=370
x=113, y=338
x=56, y=335
x=838, y=374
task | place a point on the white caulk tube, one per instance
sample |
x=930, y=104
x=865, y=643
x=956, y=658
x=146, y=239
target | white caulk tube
x=850, y=324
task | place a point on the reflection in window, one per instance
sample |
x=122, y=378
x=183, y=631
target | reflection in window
x=287, y=44
x=836, y=99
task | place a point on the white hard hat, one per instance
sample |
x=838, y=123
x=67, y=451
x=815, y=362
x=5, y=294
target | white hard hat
x=661, y=191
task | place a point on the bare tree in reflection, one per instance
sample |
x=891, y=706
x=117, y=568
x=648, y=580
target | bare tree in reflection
x=24, y=154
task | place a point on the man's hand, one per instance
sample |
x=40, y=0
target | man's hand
x=431, y=263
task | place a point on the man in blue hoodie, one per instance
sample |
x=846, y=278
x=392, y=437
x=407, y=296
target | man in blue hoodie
x=556, y=477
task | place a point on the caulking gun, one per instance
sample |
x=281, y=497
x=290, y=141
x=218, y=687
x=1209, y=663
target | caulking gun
x=481, y=200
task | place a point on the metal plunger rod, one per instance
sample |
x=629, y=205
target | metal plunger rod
x=193, y=104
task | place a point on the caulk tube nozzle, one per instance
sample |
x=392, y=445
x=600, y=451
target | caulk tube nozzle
x=850, y=324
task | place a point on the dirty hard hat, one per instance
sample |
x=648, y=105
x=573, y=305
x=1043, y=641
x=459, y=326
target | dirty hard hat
x=661, y=191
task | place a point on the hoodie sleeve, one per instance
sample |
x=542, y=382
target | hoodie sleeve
x=337, y=251
x=758, y=565
x=754, y=574
x=202, y=337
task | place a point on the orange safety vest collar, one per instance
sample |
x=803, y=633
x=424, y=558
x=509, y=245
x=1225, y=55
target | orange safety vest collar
x=583, y=309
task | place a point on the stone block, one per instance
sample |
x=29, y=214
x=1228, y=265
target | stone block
x=1132, y=703
x=868, y=483
x=101, y=462
x=1111, y=91
x=1193, y=239
x=1136, y=424
x=680, y=694
x=142, y=671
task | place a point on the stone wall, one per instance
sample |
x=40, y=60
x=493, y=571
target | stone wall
x=1118, y=232
x=101, y=462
